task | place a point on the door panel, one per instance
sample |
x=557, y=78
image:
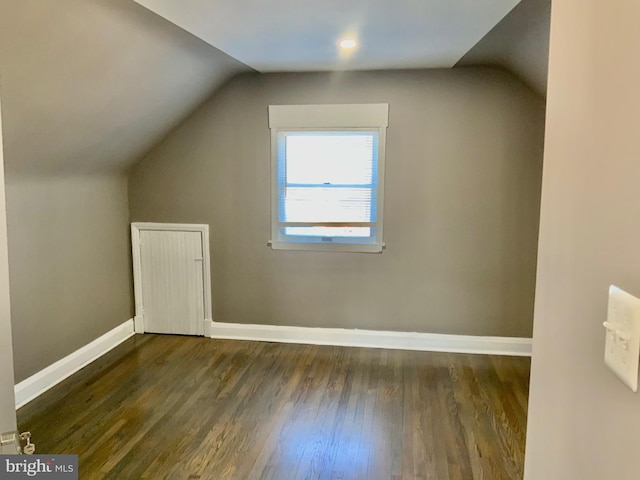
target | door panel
x=172, y=281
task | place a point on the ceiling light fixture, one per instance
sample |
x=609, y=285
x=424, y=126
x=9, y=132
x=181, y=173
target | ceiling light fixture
x=348, y=44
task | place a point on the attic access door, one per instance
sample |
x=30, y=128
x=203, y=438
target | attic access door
x=171, y=278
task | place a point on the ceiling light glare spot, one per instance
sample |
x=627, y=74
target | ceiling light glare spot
x=348, y=44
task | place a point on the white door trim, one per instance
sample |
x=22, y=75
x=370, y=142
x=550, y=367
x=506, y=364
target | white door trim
x=203, y=229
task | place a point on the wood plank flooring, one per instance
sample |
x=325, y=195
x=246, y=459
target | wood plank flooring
x=172, y=407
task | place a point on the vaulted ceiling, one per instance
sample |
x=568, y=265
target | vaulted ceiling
x=286, y=35
x=91, y=85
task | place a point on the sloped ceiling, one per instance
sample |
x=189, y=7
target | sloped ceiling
x=286, y=35
x=519, y=44
x=91, y=85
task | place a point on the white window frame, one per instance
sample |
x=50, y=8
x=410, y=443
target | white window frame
x=314, y=118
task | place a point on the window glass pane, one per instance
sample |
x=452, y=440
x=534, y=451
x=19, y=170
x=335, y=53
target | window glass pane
x=330, y=158
x=323, y=204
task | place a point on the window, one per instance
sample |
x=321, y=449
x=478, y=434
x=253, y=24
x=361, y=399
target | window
x=328, y=176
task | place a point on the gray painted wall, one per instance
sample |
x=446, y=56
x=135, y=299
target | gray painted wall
x=70, y=263
x=88, y=87
x=7, y=398
x=584, y=424
x=462, y=201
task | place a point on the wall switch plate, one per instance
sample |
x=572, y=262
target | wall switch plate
x=622, y=344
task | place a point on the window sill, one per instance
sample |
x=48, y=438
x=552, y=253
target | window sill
x=326, y=247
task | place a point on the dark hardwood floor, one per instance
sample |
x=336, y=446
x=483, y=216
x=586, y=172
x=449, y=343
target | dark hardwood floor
x=193, y=408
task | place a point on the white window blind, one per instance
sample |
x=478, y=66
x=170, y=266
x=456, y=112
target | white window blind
x=327, y=184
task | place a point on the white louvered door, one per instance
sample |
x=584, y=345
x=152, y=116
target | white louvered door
x=172, y=277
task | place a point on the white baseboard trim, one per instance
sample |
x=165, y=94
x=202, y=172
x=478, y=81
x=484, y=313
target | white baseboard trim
x=42, y=381
x=429, y=342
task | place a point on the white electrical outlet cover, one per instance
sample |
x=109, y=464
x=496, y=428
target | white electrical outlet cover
x=622, y=344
